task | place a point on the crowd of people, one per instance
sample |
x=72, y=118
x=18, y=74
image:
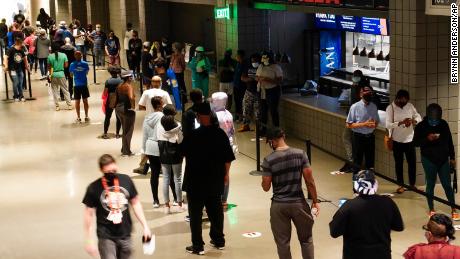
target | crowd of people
x=205, y=140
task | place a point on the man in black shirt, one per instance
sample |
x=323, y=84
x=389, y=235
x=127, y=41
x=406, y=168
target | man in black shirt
x=366, y=221
x=135, y=52
x=108, y=198
x=147, y=64
x=251, y=99
x=208, y=156
x=16, y=64
x=3, y=34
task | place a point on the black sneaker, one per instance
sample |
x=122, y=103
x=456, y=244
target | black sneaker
x=219, y=247
x=192, y=250
x=345, y=168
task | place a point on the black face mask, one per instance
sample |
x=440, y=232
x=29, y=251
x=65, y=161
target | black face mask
x=110, y=175
x=367, y=97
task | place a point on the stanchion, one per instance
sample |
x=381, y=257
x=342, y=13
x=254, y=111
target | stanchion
x=257, y=172
x=141, y=83
x=30, y=88
x=24, y=82
x=6, y=88
x=308, y=145
x=94, y=68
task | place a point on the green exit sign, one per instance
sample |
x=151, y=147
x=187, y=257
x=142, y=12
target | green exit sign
x=222, y=12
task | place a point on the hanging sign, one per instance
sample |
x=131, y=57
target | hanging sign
x=222, y=12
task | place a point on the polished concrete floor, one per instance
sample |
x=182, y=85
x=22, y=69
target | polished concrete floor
x=46, y=162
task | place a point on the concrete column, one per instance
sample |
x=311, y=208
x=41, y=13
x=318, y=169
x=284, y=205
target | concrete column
x=142, y=20
x=77, y=10
x=35, y=9
x=97, y=13
x=227, y=29
x=62, y=11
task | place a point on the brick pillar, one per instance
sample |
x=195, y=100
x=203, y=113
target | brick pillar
x=96, y=15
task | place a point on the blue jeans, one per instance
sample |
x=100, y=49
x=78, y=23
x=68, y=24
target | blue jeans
x=43, y=62
x=175, y=171
x=18, y=81
x=82, y=49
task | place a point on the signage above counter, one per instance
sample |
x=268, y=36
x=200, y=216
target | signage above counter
x=369, y=25
x=355, y=4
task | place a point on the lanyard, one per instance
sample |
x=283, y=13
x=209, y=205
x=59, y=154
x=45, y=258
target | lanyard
x=116, y=185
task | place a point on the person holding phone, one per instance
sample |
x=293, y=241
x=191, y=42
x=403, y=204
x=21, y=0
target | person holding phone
x=108, y=198
x=434, y=138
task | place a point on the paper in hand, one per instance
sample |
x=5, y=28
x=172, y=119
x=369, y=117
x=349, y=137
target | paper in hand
x=149, y=246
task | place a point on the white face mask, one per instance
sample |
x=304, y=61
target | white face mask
x=255, y=64
x=266, y=63
x=356, y=79
x=164, y=44
x=98, y=29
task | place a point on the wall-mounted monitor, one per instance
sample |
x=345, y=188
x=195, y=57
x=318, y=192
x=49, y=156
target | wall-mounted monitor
x=325, y=21
x=349, y=23
x=376, y=26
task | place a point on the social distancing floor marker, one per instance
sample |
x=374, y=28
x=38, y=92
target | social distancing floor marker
x=387, y=194
x=337, y=173
x=252, y=234
x=457, y=227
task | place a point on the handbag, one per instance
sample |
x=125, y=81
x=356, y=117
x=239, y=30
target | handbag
x=387, y=139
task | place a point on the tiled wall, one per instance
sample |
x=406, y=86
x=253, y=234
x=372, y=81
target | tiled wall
x=227, y=29
x=62, y=10
x=77, y=10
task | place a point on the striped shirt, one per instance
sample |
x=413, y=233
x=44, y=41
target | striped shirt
x=286, y=167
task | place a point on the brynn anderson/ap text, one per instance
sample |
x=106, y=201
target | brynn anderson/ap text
x=454, y=44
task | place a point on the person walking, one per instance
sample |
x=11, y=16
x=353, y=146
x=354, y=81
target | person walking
x=401, y=118
x=227, y=71
x=79, y=72
x=251, y=99
x=135, y=53
x=43, y=45
x=150, y=145
x=15, y=63
x=79, y=34
x=366, y=221
x=178, y=66
x=43, y=18
x=110, y=89
x=362, y=119
x=434, y=138
x=125, y=110
x=269, y=77
x=147, y=64
x=57, y=61
x=98, y=38
x=112, y=49
x=30, y=42
x=69, y=50
x=200, y=66
x=108, y=200
x=439, y=232
x=208, y=157
x=284, y=169
x=169, y=139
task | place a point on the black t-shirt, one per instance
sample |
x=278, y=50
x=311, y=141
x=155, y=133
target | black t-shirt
x=250, y=71
x=3, y=30
x=146, y=59
x=366, y=223
x=16, y=59
x=112, y=83
x=206, y=151
x=135, y=47
x=95, y=198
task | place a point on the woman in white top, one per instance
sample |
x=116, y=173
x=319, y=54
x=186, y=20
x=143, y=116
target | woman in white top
x=400, y=121
x=269, y=77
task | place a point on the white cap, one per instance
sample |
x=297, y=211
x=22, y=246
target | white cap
x=126, y=73
x=147, y=44
x=219, y=100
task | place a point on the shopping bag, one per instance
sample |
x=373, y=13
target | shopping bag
x=175, y=88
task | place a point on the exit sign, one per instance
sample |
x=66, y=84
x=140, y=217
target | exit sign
x=222, y=12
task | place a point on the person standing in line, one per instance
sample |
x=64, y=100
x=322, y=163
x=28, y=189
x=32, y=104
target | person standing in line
x=366, y=221
x=126, y=110
x=251, y=99
x=401, y=118
x=135, y=53
x=178, y=66
x=150, y=145
x=30, y=42
x=19, y=18
x=126, y=39
x=61, y=34
x=359, y=81
x=42, y=50
x=69, y=50
x=169, y=139
x=239, y=85
x=147, y=64
x=3, y=35
x=227, y=71
x=110, y=90
x=200, y=66
x=269, y=76
x=208, y=157
x=98, y=39
x=189, y=122
x=108, y=199
x=434, y=138
x=57, y=62
x=225, y=120
x=79, y=34
x=439, y=232
x=16, y=64
x=79, y=71
x=112, y=49
x=284, y=168
x=362, y=119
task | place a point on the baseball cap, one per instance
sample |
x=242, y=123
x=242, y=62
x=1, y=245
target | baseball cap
x=126, y=73
x=199, y=49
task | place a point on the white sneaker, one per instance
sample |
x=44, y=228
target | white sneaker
x=16, y=99
x=167, y=210
x=175, y=203
x=180, y=209
x=57, y=108
x=23, y=99
x=156, y=205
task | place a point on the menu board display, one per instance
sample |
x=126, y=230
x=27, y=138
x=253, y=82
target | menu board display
x=325, y=21
x=349, y=23
x=374, y=26
x=368, y=25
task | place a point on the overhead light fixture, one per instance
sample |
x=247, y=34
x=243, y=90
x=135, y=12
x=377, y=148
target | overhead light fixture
x=363, y=52
x=387, y=57
x=371, y=54
x=356, y=51
x=380, y=56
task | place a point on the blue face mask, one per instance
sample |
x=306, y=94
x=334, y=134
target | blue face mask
x=434, y=122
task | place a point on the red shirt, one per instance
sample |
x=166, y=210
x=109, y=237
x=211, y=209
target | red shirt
x=434, y=250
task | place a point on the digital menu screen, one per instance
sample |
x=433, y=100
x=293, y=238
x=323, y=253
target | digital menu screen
x=325, y=21
x=374, y=26
x=349, y=23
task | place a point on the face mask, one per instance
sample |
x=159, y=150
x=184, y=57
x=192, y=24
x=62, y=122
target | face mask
x=266, y=63
x=356, y=79
x=367, y=97
x=110, y=175
x=255, y=64
x=164, y=44
x=433, y=122
x=98, y=29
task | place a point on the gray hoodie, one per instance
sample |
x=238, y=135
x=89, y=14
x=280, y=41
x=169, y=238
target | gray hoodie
x=152, y=123
x=173, y=135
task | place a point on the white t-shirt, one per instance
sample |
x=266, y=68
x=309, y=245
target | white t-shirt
x=272, y=71
x=128, y=36
x=79, y=41
x=147, y=95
